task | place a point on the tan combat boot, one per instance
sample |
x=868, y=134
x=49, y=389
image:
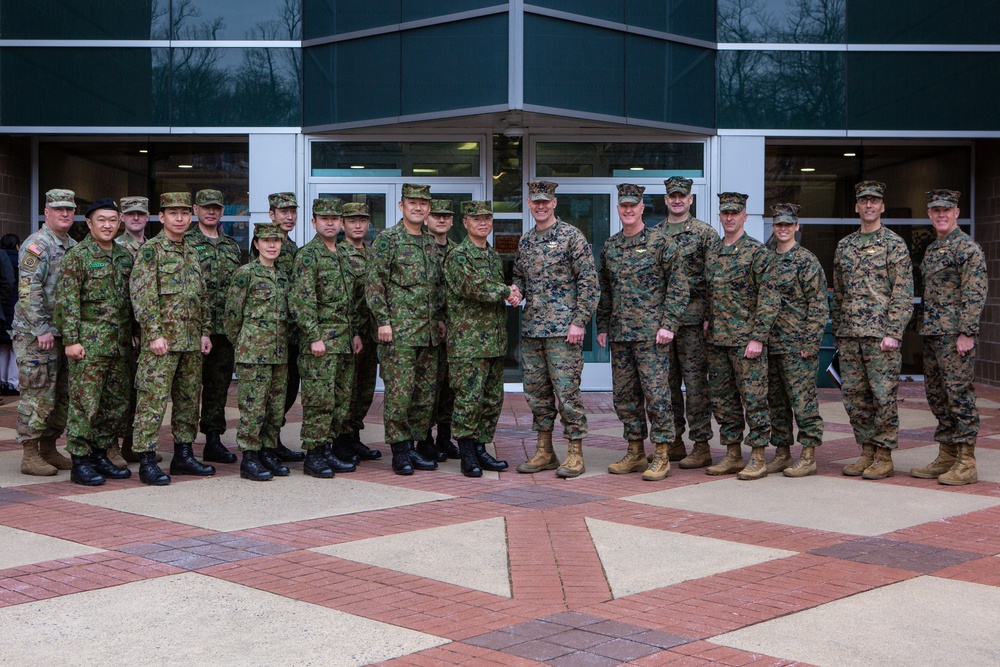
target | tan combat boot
x=32, y=462
x=805, y=466
x=881, y=467
x=659, y=468
x=47, y=448
x=573, y=465
x=633, y=461
x=115, y=455
x=939, y=466
x=964, y=470
x=857, y=468
x=544, y=457
x=732, y=463
x=782, y=459
x=700, y=456
x=677, y=451
x=757, y=467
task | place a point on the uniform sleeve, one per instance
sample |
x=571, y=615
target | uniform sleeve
x=604, y=304
x=838, y=289
x=235, y=299
x=466, y=283
x=205, y=303
x=768, y=297
x=376, y=277
x=66, y=315
x=31, y=291
x=974, y=288
x=145, y=295
x=900, y=271
x=441, y=292
x=813, y=283
x=302, y=297
x=678, y=290
x=518, y=277
x=588, y=291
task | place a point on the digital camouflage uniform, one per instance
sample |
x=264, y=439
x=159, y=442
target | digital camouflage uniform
x=366, y=363
x=285, y=263
x=444, y=402
x=129, y=243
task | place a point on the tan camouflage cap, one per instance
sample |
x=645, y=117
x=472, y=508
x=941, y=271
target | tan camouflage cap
x=282, y=200
x=539, y=190
x=785, y=214
x=732, y=201
x=130, y=204
x=442, y=207
x=356, y=209
x=209, y=198
x=415, y=191
x=678, y=184
x=943, y=198
x=869, y=189
x=477, y=207
x=267, y=230
x=327, y=207
x=629, y=193
x=60, y=199
x=175, y=200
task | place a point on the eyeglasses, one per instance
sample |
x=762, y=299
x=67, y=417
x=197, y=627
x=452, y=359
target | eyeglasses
x=869, y=200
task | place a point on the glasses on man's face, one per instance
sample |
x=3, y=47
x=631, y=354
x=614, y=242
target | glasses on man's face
x=869, y=200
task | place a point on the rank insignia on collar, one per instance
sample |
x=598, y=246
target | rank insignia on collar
x=640, y=250
x=871, y=251
x=552, y=244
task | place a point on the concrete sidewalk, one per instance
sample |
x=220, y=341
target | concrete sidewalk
x=438, y=569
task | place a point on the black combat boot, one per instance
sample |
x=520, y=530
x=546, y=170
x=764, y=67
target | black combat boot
x=428, y=449
x=420, y=462
x=401, y=463
x=184, y=462
x=149, y=472
x=287, y=455
x=315, y=464
x=486, y=460
x=83, y=472
x=335, y=463
x=470, y=464
x=216, y=451
x=341, y=447
x=251, y=468
x=102, y=464
x=269, y=458
x=444, y=443
x=361, y=449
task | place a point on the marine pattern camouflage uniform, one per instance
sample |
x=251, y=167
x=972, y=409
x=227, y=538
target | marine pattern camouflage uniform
x=444, y=402
x=366, y=363
x=872, y=299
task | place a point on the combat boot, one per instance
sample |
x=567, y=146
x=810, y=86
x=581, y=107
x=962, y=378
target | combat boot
x=428, y=449
x=573, y=465
x=677, y=451
x=47, y=448
x=184, y=462
x=782, y=459
x=401, y=464
x=341, y=447
x=805, y=466
x=700, y=456
x=947, y=454
x=334, y=462
x=251, y=468
x=149, y=472
x=881, y=467
x=269, y=459
x=215, y=451
x=32, y=462
x=659, y=468
x=544, y=457
x=115, y=456
x=102, y=463
x=858, y=468
x=757, y=466
x=486, y=460
x=470, y=463
x=363, y=451
x=316, y=464
x=964, y=470
x=730, y=464
x=287, y=455
x=83, y=472
x=444, y=443
x=418, y=461
x=633, y=461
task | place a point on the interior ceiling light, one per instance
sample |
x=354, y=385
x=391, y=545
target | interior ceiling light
x=807, y=169
x=850, y=154
x=185, y=166
x=637, y=169
x=143, y=150
x=357, y=166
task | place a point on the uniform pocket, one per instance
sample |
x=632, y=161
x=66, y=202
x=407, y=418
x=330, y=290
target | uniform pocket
x=33, y=372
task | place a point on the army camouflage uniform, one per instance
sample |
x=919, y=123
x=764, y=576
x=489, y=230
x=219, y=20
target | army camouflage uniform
x=444, y=402
x=366, y=363
x=128, y=242
x=132, y=359
x=285, y=263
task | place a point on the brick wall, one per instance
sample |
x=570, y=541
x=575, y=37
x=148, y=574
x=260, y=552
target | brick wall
x=15, y=186
x=988, y=235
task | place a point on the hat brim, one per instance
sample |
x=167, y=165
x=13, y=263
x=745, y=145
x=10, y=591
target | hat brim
x=61, y=204
x=731, y=207
x=629, y=200
x=943, y=203
x=675, y=190
x=868, y=193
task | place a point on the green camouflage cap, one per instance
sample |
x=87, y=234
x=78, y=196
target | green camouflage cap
x=209, y=198
x=629, y=193
x=732, y=201
x=477, y=207
x=785, y=213
x=678, y=184
x=267, y=230
x=60, y=199
x=414, y=191
x=130, y=204
x=869, y=189
x=441, y=207
x=175, y=200
x=356, y=209
x=327, y=207
x=542, y=190
x=282, y=200
x=943, y=198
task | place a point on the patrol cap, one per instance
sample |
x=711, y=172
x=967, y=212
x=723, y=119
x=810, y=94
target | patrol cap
x=327, y=207
x=130, y=204
x=678, y=184
x=785, y=214
x=282, y=200
x=943, y=198
x=415, y=191
x=629, y=193
x=869, y=189
x=442, y=207
x=477, y=207
x=732, y=201
x=209, y=198
x=104, y=203
x=175, y=200
x=542, y=190
x=356, y=209
x=267, y=230
x=60, y=199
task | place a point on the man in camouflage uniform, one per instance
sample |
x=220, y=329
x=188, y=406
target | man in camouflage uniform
x=357, y=219
x=644, y=292
x=323, y=302
x=793, y=347
x=38, y=347
x=554, y=271
x=219, y=255
x=94, y=315
x=742, y=305
x=696, y=242
x=168, y=294
x=256, y=319
x=955, y=285
x=872, y=303
x=405, y=292
x=135, y=217
x=477, y=337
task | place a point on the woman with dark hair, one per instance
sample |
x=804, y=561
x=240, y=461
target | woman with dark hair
x=9, y=245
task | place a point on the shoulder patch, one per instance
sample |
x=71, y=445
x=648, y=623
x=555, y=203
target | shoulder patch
x=147, y=254
x=307, y=259
x=29, y=261
x=241, y=279
x=383, y=243
x=34, y=248
x=460, y=258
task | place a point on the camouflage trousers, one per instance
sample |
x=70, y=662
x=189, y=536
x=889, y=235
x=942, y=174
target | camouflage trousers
x=410, y=377
x=950, y=392
x=689, y=362
x=640, y=373
x=791, y=390
x=552, y=369
x=174, y=375
x=478, y=397
x=739, y=386
x=43, y=377
x=870, y=382
x=444, y=402
x=261, y=396
x=327, y=382
x=365, y=371
x=128, y=424
x=216, y=376
x=292, y=384
x=97, y=404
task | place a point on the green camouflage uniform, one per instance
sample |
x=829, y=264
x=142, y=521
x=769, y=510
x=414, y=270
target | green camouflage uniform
x=132, y=360
x=285, y=263
x=444, y=402
x=130, y=244
x=94, y=309
x=256, y=319
x=477, y=338
x=323, y=303
x=404, y=288
x=798, y=327
x=366, y=363
x=742, y=305
x=168, y=296
x=43, y=374
x=955, y=285
x=643, y=289
x=872, y=299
